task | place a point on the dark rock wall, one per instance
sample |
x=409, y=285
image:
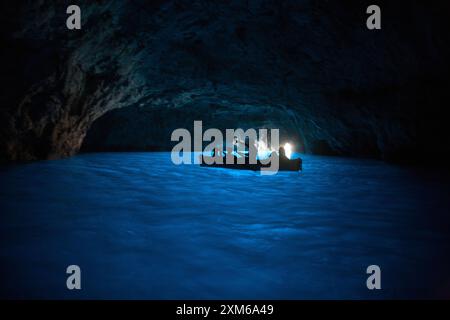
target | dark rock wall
x=143, y=129
x=311, y=67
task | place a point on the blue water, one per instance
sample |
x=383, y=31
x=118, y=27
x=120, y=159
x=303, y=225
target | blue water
x=140, y=227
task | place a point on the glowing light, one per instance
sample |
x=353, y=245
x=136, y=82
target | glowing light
x=263, y=150
x=288, y=150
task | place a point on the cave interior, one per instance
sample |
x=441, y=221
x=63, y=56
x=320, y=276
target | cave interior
x=137, y=69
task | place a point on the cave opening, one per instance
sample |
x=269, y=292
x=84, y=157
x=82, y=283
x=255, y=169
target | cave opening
x=140, y=128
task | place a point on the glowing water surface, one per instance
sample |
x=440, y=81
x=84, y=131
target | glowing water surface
x=141, y=227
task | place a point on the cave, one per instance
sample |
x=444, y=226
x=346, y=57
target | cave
x=344, y=89
x=86, y=116
x=128, y=129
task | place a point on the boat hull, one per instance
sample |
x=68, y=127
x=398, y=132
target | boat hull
x=286, y=165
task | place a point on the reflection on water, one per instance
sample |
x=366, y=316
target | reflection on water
x=141, y=227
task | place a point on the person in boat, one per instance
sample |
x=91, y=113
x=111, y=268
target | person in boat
x=236, y=143
x=246, y=152
x=230, y=152
x=282, y=154
x=250, y=155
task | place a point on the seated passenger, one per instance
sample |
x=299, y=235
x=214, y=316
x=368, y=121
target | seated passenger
x=230, y=156
x=252, y=155
x=282, y=153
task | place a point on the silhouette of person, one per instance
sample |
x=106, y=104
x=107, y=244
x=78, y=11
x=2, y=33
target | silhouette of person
x=282, y=153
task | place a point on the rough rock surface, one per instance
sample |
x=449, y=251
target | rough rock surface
x=310, y=67
x=144, y=129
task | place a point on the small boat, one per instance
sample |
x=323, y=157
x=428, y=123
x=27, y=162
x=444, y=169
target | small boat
x=284, y=165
